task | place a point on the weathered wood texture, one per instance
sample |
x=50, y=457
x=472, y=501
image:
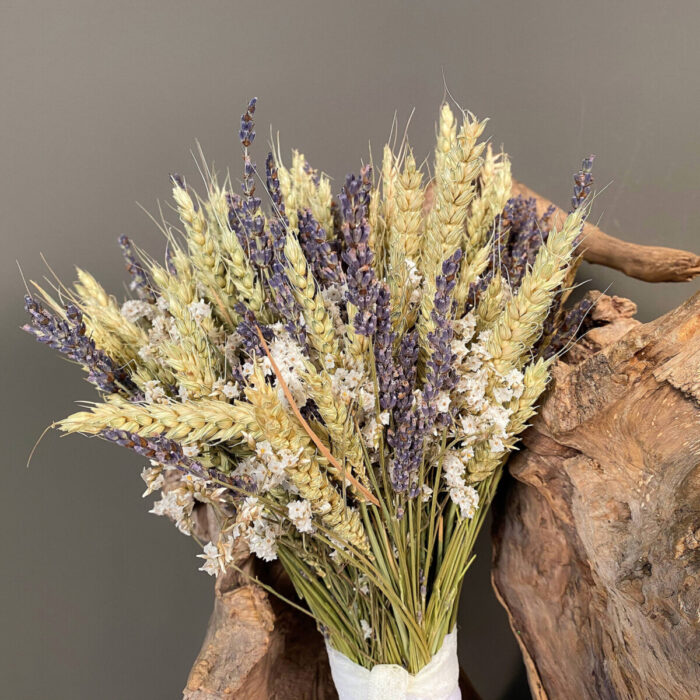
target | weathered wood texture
x=597, y=530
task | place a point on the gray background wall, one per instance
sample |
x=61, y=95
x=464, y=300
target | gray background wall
x=101, y=100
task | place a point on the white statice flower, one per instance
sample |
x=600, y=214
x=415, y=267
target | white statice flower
x=136, y=309
x=251, y=509
x=148, y=352
x=466, y=498
x=426, y=493
x=385, y=417
x=256, y=529
x=199, y=310
x=300, y=515
x=502, y=393
x=442, y=403
x=496, y=418
x=153, y=477
x=262, y=539
x=333, y=297
x=515, y=379
x=231, y=390
x=470, y=426
x=163, y=329
x=224, y=388
x=154, y=392
x=213, y=560
x=367, y=398
x=162, y=304
x=230, y=348
x=248, y=368
x=253, y=468
x=335, y=293
x=465, y=327
x=183, y=392
x=415, y=280
x=290, y=358
x=480, y=348
x=346, y=383
x=496, y=444
x=329, y=361
x=177, y=506
x=268, y=467
x=463, y=333
x=190, y=451
x=366, y=629
x=371, y=432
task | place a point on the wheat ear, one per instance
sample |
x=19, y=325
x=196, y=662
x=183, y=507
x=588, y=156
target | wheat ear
x=520, y=323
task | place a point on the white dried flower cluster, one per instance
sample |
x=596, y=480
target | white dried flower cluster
x=289, y=358
x=415, y=280
x=466, y=498
x=176, y=505
x=134, y=310
x=367, y=631
x=258, y=530
x=347, y=383
x=217, y=556
x=153, y=477
x=225, y=389
x=154, y=392
x=300, y=515
x=199, y=310
x=483, y=394
x=162, y=330
x=180, y=492
x=267, y=468
x=333, y=297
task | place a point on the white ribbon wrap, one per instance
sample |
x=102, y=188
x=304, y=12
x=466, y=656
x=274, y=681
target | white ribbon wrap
x=438, y=680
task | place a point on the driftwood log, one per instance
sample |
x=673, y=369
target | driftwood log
x=597, y=533
x=257, y=648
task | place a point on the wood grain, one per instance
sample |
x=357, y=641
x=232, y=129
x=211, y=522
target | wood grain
x=597, y=533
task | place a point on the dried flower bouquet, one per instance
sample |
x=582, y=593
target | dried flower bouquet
x=340, y=379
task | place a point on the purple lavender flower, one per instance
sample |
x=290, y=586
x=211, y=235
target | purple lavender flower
x=414, y=422
x=69, y=338
x=286, y=304
x=273, y=185
x=363, y=287
x=248, y=330
x=403, y=434
x=569, y=327
x=583, y=181
x=247, y=132
x=140, y=281
x=170, y=454
x=526, y=233
x=245, y=216
x=317, y=250
x=440, y=374
x=557, y=332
